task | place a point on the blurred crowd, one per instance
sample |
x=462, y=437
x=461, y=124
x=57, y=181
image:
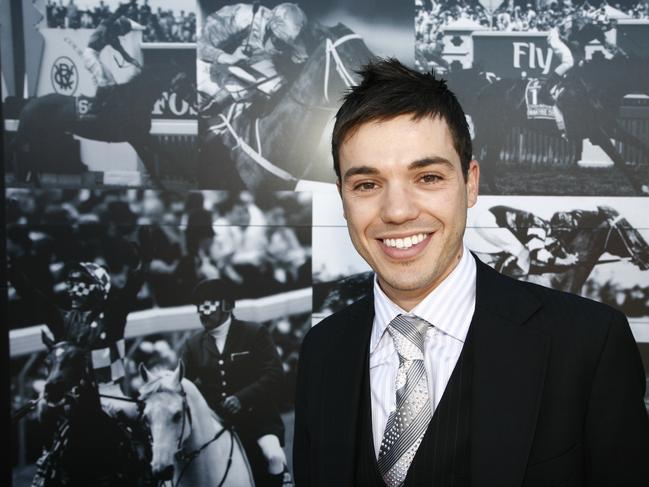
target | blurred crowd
x=632, y=301
x=433, y=17
x=261, y=244
x=159, y=25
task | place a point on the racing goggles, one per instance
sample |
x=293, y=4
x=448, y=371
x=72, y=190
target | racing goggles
x=206, y=308
x=80, y=289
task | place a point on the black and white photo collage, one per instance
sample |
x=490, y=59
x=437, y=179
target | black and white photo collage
x=173, y=226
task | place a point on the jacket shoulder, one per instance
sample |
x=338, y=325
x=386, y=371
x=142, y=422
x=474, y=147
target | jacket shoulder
x=248, y=327
x=566, y=300
x=335, y=324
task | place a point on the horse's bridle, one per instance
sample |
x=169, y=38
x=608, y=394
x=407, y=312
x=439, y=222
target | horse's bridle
x=341, y=69
x=189, y=457
x=331, y=52
x=613, y=224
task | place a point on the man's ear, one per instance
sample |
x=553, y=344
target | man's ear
x=472, y=183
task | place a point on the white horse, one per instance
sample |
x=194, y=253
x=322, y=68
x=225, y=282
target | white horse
x=188, y=440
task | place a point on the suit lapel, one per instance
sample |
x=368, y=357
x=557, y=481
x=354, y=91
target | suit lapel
x=233, y=338
x=210, y=344
x=509, y=371
x=347, y=361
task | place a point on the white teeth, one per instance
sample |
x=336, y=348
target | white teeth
x=405, y=243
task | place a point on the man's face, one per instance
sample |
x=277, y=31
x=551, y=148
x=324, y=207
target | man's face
x=212, y=314
x=405, y=201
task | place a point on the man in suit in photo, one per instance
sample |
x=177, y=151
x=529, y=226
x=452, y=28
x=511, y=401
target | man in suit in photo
x=450, y=373
x=236, y=367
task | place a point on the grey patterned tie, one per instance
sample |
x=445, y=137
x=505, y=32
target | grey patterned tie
x=408, y=422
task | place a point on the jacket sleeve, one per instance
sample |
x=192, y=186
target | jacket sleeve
x=220, y=27
x=617, y=426
x=271, y=374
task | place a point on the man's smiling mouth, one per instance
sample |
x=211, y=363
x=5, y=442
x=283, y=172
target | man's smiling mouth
x=405, y=242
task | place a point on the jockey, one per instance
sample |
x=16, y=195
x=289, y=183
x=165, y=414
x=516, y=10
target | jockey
x=95, y=317
x=530, y=240
x=236, y=367
x=108, y=34
x=577, y=35
x=106, y=306
x=557, y=41
x=241, y=34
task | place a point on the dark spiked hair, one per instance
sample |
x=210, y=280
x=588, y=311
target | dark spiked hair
x=389, y=89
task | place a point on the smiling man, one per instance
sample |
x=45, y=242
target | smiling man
x=449, y=373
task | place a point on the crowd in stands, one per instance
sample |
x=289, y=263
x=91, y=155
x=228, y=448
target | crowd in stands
x=262, y=244
x=432, y=17
x=159, y=25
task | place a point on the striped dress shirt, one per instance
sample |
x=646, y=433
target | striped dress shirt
x=449, y=308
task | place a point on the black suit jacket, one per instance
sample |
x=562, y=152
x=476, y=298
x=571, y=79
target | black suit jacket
x=557, y=396
x=249, y=368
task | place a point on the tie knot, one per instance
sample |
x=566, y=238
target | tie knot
x=408, y=332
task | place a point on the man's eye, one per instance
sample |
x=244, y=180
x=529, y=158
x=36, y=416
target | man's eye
x=365, y=186
x=430, y=178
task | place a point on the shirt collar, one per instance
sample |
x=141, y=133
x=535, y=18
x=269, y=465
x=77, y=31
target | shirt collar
x=222, y=330
x=449, y=307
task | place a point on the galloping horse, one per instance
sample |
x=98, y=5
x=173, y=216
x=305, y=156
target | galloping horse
x=590, y=101
x=589, y=235
x=189, y=442
x=290, y=143
x=89, y=447
x=122, y=114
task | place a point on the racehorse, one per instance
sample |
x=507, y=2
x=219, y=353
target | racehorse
x=119, y=113
x=88, y=447
x=189, y=441
x=590, y=99
x=290, y=142
x=589, y=235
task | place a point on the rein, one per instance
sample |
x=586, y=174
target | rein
x=331, y=52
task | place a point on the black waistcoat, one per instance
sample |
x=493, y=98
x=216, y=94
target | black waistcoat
x=443, y=457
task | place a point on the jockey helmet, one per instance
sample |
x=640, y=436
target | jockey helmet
x=287, y=22
x=86, y=280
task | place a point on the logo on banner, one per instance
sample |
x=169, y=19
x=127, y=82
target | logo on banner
x=65, y=76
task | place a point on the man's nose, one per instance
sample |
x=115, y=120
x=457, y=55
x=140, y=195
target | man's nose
x=398, y=205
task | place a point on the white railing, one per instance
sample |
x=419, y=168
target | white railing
x=25, y=341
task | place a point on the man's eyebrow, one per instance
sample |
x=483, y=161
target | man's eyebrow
x=429, y=161
x=360, y=170
x=418, y=164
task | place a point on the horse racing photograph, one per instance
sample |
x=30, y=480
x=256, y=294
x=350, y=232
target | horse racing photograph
x=174, y=226
x=167, y=327
x=557, y=97
x=104, y=97
x=270, y=76
x=598, y=249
